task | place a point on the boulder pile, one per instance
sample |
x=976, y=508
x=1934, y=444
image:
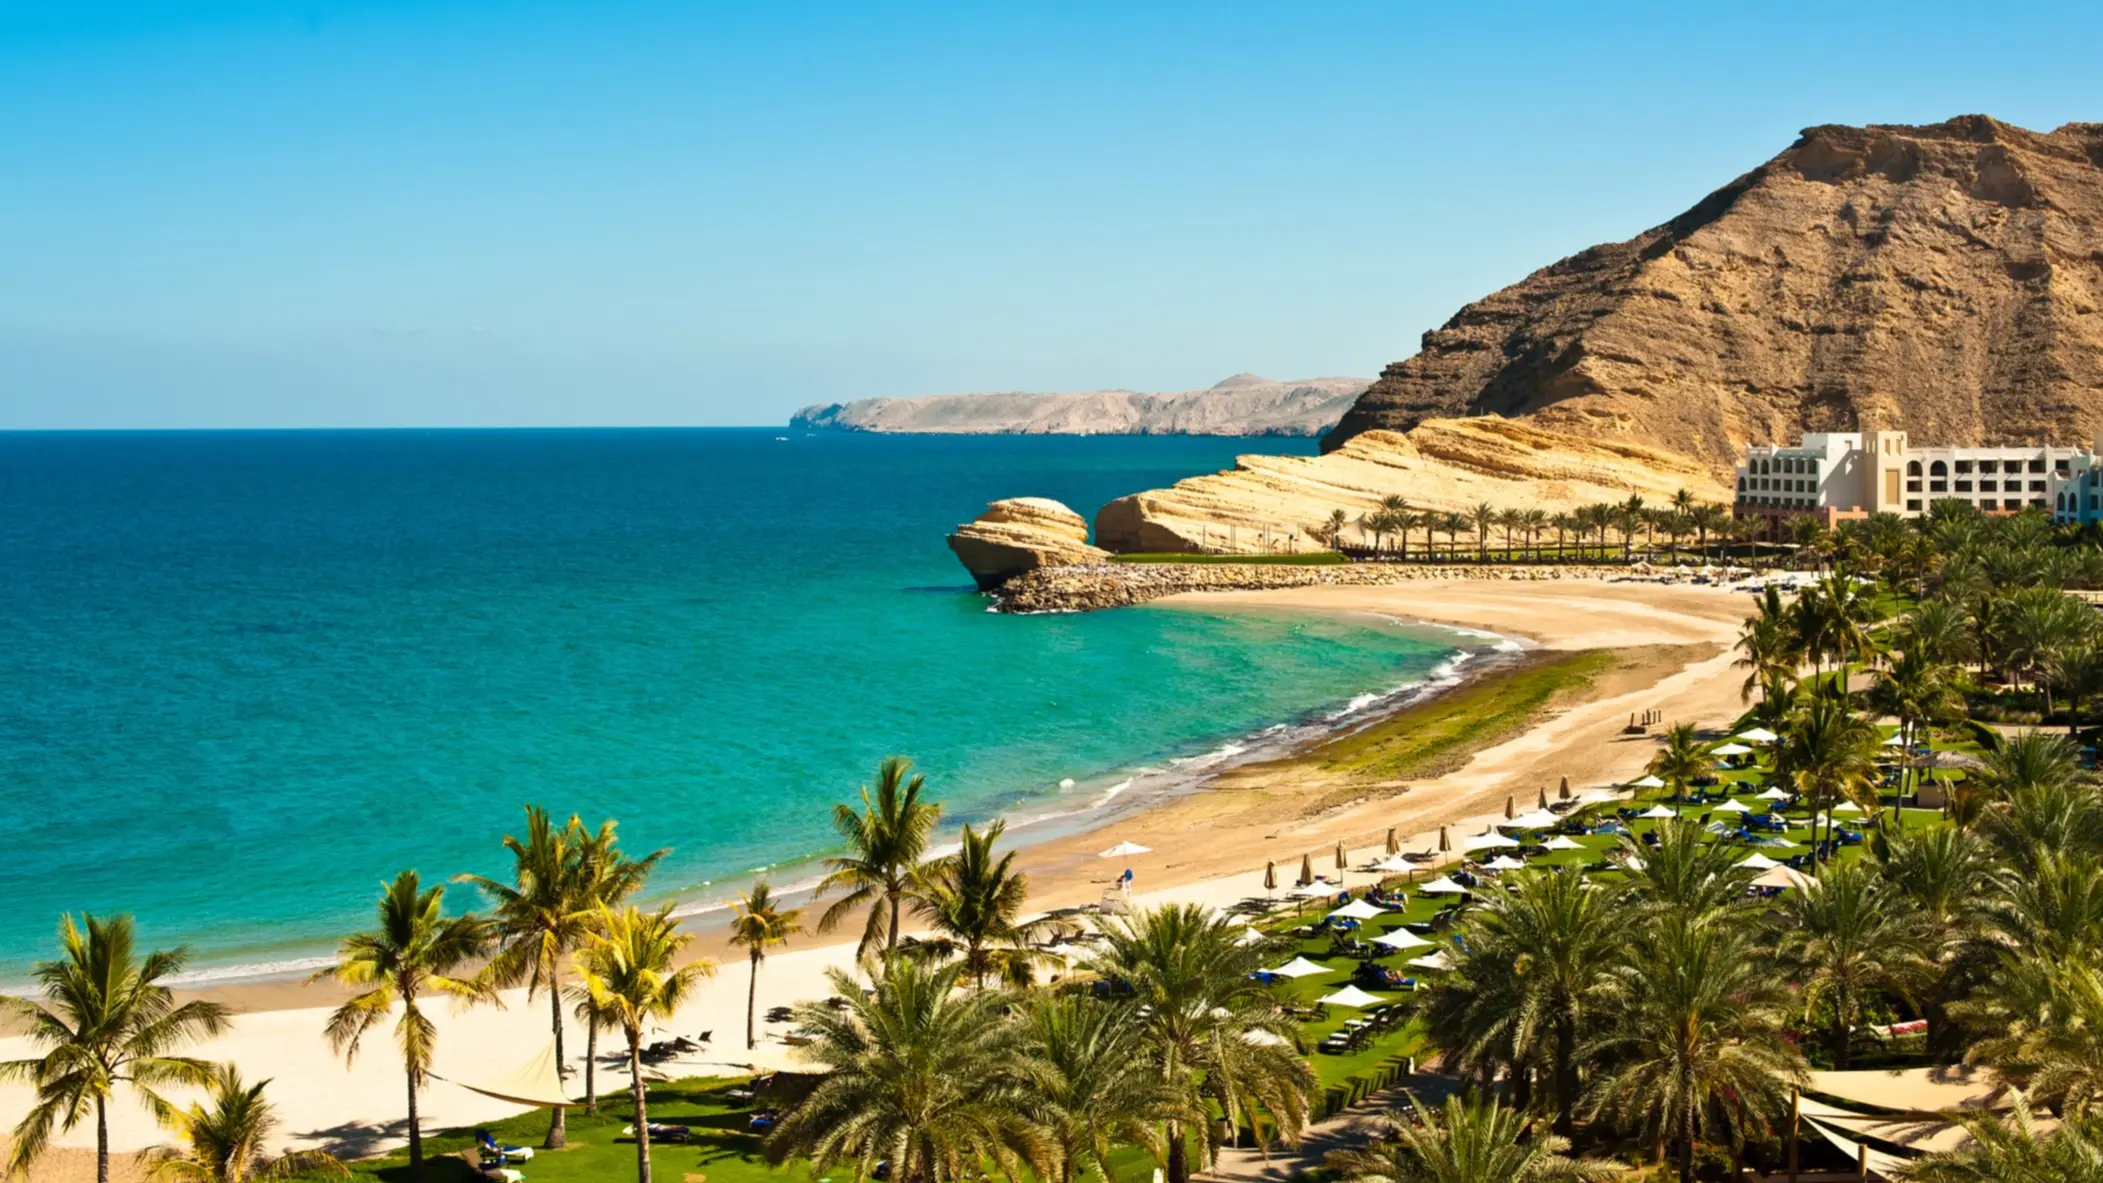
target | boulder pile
x=1086, y=587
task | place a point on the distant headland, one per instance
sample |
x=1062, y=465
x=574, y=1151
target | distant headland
x=1244, y=404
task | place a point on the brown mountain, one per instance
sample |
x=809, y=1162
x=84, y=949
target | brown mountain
x=1947, y=280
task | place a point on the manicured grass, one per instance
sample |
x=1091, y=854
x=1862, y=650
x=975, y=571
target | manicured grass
x=1320, y=558
x=1438, y=735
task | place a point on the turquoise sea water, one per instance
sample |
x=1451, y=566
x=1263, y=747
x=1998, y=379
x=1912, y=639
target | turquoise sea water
x=246, y=676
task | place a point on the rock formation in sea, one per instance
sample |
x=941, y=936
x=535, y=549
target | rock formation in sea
x=1944, y=280
x=1267, y=503
x=1242, y=405
x=1021, y=534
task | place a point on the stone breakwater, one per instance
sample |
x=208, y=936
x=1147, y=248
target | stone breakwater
x=1085, y=587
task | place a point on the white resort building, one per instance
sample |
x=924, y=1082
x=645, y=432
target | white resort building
x=1836, y=476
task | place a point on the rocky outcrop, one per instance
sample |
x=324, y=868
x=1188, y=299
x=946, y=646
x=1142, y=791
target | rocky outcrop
x=1267, y=503
x=1943, y=280
x=1022, y=534
x=1088, y=587
x=1242, y=405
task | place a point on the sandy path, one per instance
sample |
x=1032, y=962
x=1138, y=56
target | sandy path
x=1208, y=847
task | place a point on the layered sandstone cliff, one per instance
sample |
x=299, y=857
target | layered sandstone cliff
x=1943, y=280
x=1267, y=503
x=1022, y=534
x=1242, y=405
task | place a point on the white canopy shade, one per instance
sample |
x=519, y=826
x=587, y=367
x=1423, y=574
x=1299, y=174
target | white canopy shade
x=1394, y=863
x=1313, y=891
x=1123, y=849
x=1781, y=877
x=1300, y=967
x=1249, y=936
x=535, y=1082
x=1505, y=862
x=1352, y=996
x=1847, y=807
x=1632, y=862
x=1537, y=819
x=1758, y=862
x=1731, y=749
x=1401, y=938
x=1358, y=910
x=1261, y=1038
x=1734, y=807
x=1433, y=961
x=1648, y=782
x=1488, y=842
x=1443, y=885
x=1758, y=735
x=1598, y=797
x=1775, y=793
x=1563, y=842
x=1894, y=740
x=1657, y=811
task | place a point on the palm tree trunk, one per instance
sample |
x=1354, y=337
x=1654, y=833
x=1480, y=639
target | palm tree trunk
x=591, y=1066
x=102, y=1142
x=752, y=1005
x=1178, y=1155
x=416, y=1137
x=1686, y=1152
x=558, y=1129
x=892, y=945
x=642, y=1109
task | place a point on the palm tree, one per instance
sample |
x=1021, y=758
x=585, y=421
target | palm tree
x=1452, y=524
x=1098, y=1091
x=2016, y=1146
x=1509, y=520
x=1215, y=1036
x=1697, y=1047
x=2076, y=672
x=1684, y=874
x=607, y=877
x=761, y=924
x=1942, y=874
x=415, y=950
x=1853, y=938
x=1482, y=517
x=228, y=1141
x=1627, y=517
x=105, y=1020
x=975, y=902
x=627, y=968
x=1768, y=653
x=1828, y=754
x=1679, y=761
x=886, y=842
x=1919, y=692
x=1470, y=1141
x=918, y=1074
x=1566, y=936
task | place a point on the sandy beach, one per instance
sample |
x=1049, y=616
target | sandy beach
x=1208, y=846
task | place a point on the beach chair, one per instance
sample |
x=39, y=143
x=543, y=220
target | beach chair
x=491, y=1149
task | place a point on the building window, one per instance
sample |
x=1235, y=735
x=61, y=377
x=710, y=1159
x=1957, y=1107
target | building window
x=2037, y=465
x=1963, y=486
x=2060, y=466
x=1938, y=469
x=1912, y=468
x=1964, y=466
x=1913, y=506
x=2037, y=487
x=1986, y=487
x=1913, y=486
x=2011, y=505
x=1988, y=466
x=1938, y=486
x=2093, y=503
x=2037, y=503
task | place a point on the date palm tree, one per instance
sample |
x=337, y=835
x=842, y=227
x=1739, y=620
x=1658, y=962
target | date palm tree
x=2017, y=1146
x=1920, y=692
x=917, y=1074
x=227, y=1140
x=1098, y=1090
x=1452, y=524
x=886, y=842
x=415, y=951
x=1469, y=1141
x=1852, y=937
x=1482, y=517
x=1684, y=874
x=1697, y=1047
x=761, y=923
x=105, y=1019
x=1679, y=761
x=1215, y=1036
x=1942, y=872
x=1828, y=755
x=628, y=968
x=974, y=901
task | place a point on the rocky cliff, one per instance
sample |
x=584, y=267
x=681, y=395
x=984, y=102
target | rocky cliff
x=1022, y=534
x=1944, y=280
x=1242, y=405
x=1266, y=503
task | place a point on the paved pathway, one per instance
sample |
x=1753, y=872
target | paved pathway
x=1351, y=1128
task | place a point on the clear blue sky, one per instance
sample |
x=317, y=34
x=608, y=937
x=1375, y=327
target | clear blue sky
x=520, y=213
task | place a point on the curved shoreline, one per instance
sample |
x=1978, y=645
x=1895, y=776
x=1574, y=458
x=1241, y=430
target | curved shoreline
x=1087, y=587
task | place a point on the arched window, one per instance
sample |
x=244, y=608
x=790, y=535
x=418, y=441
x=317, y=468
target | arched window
x=1938, y=468
x=1912, y=468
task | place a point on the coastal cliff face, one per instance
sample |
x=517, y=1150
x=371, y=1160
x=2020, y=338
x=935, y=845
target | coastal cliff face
x=1242, y=405
x=1266, y=503
x=1943, y=280
x=1022, y=534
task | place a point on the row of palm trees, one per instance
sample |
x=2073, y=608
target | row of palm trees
x=1590, y=530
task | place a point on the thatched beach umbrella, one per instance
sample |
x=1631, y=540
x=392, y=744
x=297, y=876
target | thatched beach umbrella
x=1393, y=847
x=1445, y=843
x=1306, y=870
x=1511, y=806
x=1564, y=792
x=1543, y=802
x=1270, y=875
x=1342, y=863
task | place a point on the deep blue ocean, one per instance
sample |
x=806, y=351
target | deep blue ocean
x=246, y=676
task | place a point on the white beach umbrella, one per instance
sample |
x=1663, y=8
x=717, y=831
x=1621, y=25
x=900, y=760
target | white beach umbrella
x=1352, y=996
x=1758, y=862
x=1781, y=877
x=1436, y=960
x=1261, y=1038
x=1731, y=749
x=1249, y=936
x=1358, y=910
x=1847, y=807
x=1757, y=735
x=1599, y=797
x=1124, y=849
x=1401, y=938
x=1488, y=842
x=1313, y=891
x=1394, y=864
x=1775, y=793
x=1443, y=885
x=1563, y=842
x=1648, y=782
x=1537, y=819
x=1894, y=740
x=1505, y=862
x=1734, y=807
x=1657, y=811
x=1300, y=967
